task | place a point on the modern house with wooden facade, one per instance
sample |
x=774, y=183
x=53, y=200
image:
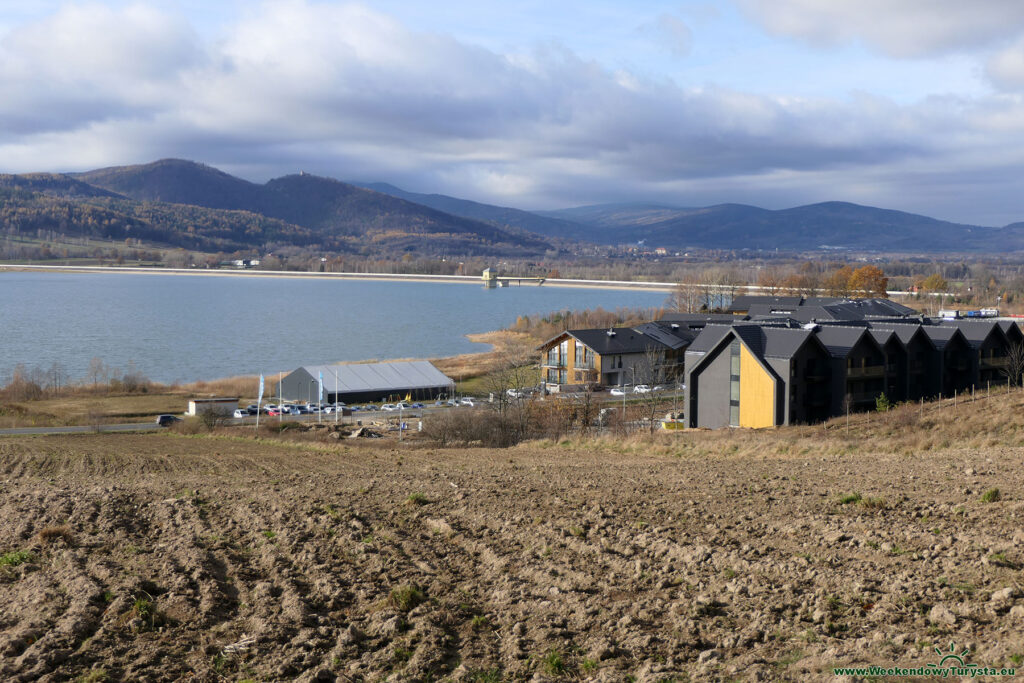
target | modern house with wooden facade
x=579, y=359
x=757, y=376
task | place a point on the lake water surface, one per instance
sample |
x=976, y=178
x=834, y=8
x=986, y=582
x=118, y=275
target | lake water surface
x=190, y=327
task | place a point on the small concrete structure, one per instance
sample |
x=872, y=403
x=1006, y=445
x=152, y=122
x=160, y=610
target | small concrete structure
x=221, y=406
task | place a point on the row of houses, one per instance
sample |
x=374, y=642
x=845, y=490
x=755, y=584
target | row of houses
x=786, y=360
x=763, y=373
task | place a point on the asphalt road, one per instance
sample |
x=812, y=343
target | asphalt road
x=134, y=427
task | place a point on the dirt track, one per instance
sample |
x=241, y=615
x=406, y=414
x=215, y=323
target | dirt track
x=218, y=559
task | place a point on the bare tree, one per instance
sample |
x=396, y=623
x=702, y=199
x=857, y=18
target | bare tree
x=510, y=386
x=97, y=371
x=685, y=298
x=1014, y=364
x=651, y=371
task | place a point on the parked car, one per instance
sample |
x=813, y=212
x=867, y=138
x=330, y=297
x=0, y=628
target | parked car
x=641, y=389
x=252, y=409
x=466, y=401
x=416, y=405
x=402, y=405
x=617, y=391
x=167, y=420
x=241, y=413
x=389, y=407
x=370, y=406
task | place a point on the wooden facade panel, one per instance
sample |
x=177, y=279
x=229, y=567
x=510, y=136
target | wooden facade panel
x=757, y=393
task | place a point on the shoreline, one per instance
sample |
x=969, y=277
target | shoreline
x=386, y=277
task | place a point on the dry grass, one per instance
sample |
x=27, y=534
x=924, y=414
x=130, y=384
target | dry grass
x=907, y=429
x=469, y=365
x=52, y=534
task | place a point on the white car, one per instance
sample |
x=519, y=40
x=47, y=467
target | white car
x=467, y=401
x=241, y=413
x=389, y=407
x=617, y=391
x=641, y=389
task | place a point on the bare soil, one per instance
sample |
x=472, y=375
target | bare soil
x=700, y=556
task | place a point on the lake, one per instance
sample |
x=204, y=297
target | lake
x=182, y=328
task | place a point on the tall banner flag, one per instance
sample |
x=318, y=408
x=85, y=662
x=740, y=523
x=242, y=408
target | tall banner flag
x=259, y=403
x=320, y=396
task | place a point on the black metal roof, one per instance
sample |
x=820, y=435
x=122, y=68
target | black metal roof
x=942, y=335
x=976, y=331
x=673, y=335
x=708, y=338
x=745, y=301
x=618, y=340
x=1012, y=331
x=840, y=339
x=780, y=342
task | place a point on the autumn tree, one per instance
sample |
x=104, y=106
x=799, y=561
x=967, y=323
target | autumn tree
x=933, y=283
x=869, y=281
x=838, y=282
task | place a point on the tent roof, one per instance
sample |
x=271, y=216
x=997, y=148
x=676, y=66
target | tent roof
x=358, y=377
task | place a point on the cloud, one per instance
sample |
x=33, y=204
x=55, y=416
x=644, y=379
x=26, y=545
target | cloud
x=1005, y=69
x=672, y=33
x=903, y=28
x=346, y=91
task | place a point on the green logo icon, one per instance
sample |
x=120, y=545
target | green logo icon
x=951, y=657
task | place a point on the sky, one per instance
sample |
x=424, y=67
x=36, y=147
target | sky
x=916, y=105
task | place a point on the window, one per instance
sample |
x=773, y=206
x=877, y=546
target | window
x=584, y=356
x=734, y=383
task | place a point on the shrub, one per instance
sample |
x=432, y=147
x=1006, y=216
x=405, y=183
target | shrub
x=991, y=496
x=407, y=597
x=553, y=662
x=472, y=427
x=15, y=557
x=882, y=403
x=849, y=498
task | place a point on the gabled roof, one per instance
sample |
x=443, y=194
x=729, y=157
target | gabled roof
x=781, y=342
x=1012, y=331
x=884, y=336
x=714, y=336
x=358, y=377
x=708, y=338
x=905, y=331
x=622, y=340
x=976, y=332
x=841, y=339
x=943, y=335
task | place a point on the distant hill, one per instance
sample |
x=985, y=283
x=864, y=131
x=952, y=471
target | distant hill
x=324, y=205
x=183, y=203
x=53, y=185
x=498, y=215
x=828, y=225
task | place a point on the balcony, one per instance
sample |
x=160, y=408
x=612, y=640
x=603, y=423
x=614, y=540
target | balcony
x=553, y=362
x=997, y=363
x=869, y=372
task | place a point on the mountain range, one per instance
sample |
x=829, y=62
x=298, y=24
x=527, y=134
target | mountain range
x=187, y=204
